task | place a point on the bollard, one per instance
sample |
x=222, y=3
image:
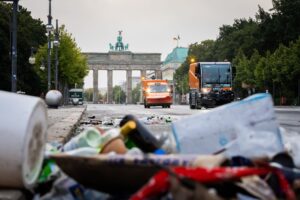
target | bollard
x=53, y=98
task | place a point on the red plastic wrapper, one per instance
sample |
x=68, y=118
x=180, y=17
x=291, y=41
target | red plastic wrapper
x=159, y=184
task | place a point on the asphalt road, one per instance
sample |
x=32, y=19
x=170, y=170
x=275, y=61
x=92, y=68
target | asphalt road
x=288, y=117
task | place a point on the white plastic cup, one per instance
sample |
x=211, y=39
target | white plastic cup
x=23, y=126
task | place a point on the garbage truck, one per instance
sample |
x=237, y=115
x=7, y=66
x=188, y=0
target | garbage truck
x=210, y=84
x=156, y=92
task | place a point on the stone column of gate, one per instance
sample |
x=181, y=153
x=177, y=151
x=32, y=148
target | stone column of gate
x=95, y=85
x=109, y=86
x=143, y=75
x=158, y=74
x=129, y=86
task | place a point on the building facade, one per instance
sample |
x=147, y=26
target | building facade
x=173, y=61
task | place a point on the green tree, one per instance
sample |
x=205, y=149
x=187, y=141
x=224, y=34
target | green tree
x=262, y=76
x=136, y=93
x=281, y=26
x=241, y=63
x=31, y=33
x=119, y=95
x=72, y=66
x=88, y=94
x=277, y=72
x=242, y=35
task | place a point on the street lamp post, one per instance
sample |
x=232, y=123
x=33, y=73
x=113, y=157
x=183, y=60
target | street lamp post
x=53, y=97
x=49, y=28
x=14, y=46
x=56, y=44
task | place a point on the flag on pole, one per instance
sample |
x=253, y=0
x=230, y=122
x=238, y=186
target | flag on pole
x=177, y=39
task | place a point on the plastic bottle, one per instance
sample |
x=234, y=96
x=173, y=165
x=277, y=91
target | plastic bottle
x=88, y=138
x=127, y=129
x=49, y=169
x=140, y=135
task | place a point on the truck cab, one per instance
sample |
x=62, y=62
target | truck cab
x=210, y=84
x=156, y=93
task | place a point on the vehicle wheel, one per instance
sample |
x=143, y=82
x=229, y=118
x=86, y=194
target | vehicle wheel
x=192, y=107
x=169, y=106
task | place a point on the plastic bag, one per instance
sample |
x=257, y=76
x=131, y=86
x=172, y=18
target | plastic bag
x=254, y=144
x=215, y=130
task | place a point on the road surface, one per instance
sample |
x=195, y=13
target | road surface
x=289, y=118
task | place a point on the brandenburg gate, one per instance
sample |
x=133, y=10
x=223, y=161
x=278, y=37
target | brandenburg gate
x=119, y=58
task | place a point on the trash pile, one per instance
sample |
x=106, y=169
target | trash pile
x=149, y=120
x=155, y=119
x=235, y=151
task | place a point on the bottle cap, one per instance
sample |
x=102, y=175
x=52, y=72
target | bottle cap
x=128, y=127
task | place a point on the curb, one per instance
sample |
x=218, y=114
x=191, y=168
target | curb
x=63, y=130
x=286, y=109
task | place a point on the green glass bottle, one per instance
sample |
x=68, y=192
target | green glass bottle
x=138, y=135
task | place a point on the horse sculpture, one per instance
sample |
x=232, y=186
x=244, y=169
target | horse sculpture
x=119, y=46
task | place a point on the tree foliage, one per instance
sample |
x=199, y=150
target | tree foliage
x=136, y=93
x=242, y=35
x=31, y=33
x=72, y=66
x=277, y=72
x=89, y=93
x=119, y=95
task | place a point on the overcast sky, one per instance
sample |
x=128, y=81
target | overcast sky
x=147, y=25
